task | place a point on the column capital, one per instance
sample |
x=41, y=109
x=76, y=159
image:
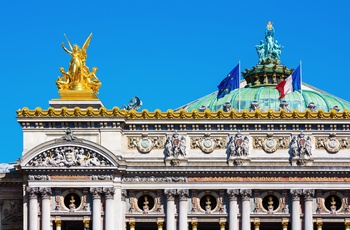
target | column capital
x=347, y=224
x=160, y=224
x=132, y=224
x=233, y=194
x=245, y=193
x=45, y=192
x=86, y=223
x=109, y=192
x=285, y=224
x=222, y=224
x=58, y=223
x=296, y=194
x=32, y=192
x=170, y=194
x=308, y=194
x=194, y=224
x=96, y=192
x=183, y=194
x=319, y=224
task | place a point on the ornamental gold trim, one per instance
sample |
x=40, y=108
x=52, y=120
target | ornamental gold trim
x=182, y=114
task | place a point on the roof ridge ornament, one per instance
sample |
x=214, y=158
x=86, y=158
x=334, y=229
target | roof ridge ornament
x=68, y=137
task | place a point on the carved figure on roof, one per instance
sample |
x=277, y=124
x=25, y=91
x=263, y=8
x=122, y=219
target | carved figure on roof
x=227, y=106
x=260, y=49
x=254, y=105
x=284, y=106
x=78, y=76
x=312, y=107
x=135, y=103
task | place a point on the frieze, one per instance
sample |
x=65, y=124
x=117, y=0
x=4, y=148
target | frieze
x=332, y=144
x=101, y=177
x=69, y=177
x=153, y=179
x=268, y=179
x=207, y=144
x=270, y=143
x=39, y=177
x=145, y=144
x=67, y=156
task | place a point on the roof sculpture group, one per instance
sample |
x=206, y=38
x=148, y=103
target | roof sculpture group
x=78, y=82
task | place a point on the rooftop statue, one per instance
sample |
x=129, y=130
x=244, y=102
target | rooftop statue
x=270, y=51
x=78, y=77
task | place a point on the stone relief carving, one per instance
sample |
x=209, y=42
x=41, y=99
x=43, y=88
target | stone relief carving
x=300, y=146
x=269, y=143
x=175, y=146
x=153, y=179
x=145, y=144
x=67, y=156
x=101, y=177
x=207, y=144
x=331, y=144
x=12, y=214
x=38, y=177
x=68, y=137
x=238, y=146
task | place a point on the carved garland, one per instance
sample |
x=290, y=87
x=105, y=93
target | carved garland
x=208, y=144
x=270, y=144
x=145, y=144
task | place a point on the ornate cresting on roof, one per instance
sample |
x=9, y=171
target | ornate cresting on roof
x=78, y=83
x=269, y=70
x=182, y=114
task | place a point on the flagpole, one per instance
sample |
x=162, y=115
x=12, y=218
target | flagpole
x=239, y=85
x=301, y=88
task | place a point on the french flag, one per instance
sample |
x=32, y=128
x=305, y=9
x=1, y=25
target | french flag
x=290, y=84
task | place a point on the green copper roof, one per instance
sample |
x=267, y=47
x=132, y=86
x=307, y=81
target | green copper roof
x=267, y=97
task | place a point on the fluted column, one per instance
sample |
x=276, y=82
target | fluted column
x=58, y=224
x=45, y=208
x=296, y=223
x=33, y=208
x=121, y=212
x=233, y=209
x=308, y=198
x=109, y=198
x=170, y=208
x=183, y=198
x=245, y=216
x=96, y=208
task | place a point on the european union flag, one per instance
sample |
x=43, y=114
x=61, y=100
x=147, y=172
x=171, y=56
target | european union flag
x=231, y=82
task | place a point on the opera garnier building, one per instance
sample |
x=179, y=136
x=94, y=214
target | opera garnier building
x=267, y=153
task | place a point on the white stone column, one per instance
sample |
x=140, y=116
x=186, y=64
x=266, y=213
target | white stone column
x=308, y=198
x=296, y=222
x=122, y=199
x=170, y=208
x=109, y=208
x=33, y=208
x=96, y=208
x=233, y=209
x=45, y=208
x=183, y=209
x=245, y=215
x=58, y=224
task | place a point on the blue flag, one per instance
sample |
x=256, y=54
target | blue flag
x=231, y=82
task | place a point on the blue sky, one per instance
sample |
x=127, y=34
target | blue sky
x=166, y=52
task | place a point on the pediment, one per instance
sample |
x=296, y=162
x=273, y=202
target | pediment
x=68, y=152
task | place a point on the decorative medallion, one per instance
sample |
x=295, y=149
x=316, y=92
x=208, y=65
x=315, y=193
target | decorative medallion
x=145, y=144
x=207, y=144
x=269, y=143
x=332, y=143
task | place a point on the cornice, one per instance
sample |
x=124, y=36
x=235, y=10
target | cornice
x=182, y=114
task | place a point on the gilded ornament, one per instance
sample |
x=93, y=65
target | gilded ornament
x=78, y=83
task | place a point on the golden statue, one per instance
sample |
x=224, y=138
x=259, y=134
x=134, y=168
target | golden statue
x=78, y=82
